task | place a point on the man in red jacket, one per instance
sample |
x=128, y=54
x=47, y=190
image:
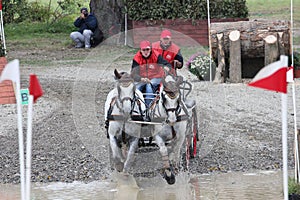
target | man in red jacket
x=169, y=50
x=149, y=67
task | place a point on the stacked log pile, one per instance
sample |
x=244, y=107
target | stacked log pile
x=252, y=36
x=249, y=39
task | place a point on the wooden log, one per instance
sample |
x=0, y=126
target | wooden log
x=235, y=67
x=271, y=49
x=220, y=70
x=280, y=43
x=252, y=36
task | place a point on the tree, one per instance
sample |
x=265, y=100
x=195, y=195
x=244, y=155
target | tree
x=15, y=10
x=109, y=14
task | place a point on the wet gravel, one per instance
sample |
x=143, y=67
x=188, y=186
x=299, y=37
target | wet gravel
x=239, y=126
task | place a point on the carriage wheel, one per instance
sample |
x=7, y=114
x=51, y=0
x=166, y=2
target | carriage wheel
x=192, y=138
x=187, y=154
x=184, y=160
x=195, y=134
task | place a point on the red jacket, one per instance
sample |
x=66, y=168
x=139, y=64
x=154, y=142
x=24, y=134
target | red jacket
x=151, y=67
x=169, y=54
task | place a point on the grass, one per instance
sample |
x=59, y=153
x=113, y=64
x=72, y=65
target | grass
x=280, y=10
x=258, y=7
x=30, y=34
x=39, y=35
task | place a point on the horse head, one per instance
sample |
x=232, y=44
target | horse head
x=170, y=96
x=126, y=92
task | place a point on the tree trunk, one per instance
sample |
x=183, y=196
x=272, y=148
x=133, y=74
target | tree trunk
x=271, y=49
x=252, y=36
x=109, y=15
x=220, y=70
x=235, y=67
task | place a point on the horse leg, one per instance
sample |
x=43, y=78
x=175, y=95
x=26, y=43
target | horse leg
x=116, y=153
x=175, y=153
x=168, y=171
x=130, y=154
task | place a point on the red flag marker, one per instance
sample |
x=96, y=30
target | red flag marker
x=272, y=77
x=35, y=88
x=290, y=74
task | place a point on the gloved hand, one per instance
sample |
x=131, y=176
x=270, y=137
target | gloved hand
x=177, y=64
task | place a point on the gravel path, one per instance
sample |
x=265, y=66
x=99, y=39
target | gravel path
x=240, y=126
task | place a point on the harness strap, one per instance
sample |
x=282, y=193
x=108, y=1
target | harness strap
x=123, y=134
x=184, y=108
x=140, y=107
x=111, y=105
x=182, y=118
x=111, y=117
x=179, y=118
x=115, y=117
x=173, y=132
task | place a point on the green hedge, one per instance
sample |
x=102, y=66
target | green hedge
x=185, y=9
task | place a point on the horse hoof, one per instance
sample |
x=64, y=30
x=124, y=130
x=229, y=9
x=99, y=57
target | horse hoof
x=119, y=166
x=170, y=177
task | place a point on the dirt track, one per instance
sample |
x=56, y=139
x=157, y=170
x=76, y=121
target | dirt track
x=240, y=126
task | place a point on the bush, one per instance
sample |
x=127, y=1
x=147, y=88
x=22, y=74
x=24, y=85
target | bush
x=17, y=11
x=199, y=65
x=297, y=60
x=38, y=12
x=193, y=9
x=294, y=188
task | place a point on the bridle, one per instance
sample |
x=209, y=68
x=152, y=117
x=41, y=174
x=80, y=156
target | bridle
x=172, y=95
x=126, y=83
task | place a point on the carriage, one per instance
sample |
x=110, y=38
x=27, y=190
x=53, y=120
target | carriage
x=141, y=126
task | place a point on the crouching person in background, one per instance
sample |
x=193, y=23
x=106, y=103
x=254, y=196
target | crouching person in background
x=87, y=24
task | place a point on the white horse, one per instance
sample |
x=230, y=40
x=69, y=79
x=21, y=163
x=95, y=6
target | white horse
x=170, y=109
x=123, y=103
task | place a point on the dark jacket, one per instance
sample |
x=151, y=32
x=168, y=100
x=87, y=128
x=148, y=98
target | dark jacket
x=89, y=23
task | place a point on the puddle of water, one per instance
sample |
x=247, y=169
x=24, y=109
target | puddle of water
x=256, y=185
x=253, y=185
